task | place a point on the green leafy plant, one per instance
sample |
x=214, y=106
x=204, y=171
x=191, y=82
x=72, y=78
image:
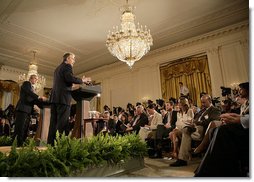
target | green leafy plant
x=70, y=156
x=28, y=161
x=5, y=141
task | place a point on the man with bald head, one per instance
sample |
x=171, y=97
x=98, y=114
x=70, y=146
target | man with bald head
x=196, y=132
x=228, y=152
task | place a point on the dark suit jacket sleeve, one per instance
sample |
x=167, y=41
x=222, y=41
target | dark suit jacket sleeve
x=173, y=119
x=26, y=88
x=143, y=120
x=68, y=75
x=27, y=98
x=111, y=125
x=213, y=113
x=165, y=119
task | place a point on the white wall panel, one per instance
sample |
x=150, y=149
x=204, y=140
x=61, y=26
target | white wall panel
x=234, y=66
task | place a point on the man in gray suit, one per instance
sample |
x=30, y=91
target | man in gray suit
x=60, y=97
x=201, y=121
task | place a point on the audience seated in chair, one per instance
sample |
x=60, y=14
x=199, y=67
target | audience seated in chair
x=4, y=127
x=140, y=120
x=121, y=124
x=104, y=124
x=161, y=141
x=148, y=131
x=184, y=118
x=228, y=152
x=243, y=100
x=196, y=131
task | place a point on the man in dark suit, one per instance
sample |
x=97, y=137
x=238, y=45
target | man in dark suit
x=60, y=97
x=140, y=119
x=169, y=121
x=24, y=107
x=201, y=123
x=168, y=124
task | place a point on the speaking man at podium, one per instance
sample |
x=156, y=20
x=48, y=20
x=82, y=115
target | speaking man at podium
x=60, y=97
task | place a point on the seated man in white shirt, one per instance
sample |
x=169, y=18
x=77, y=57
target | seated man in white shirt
x=156, y=119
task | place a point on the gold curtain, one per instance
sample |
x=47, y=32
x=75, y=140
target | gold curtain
x=9, y=86
x=192, y=71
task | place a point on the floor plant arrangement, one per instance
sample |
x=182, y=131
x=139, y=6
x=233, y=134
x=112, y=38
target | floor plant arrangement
x=70, y=156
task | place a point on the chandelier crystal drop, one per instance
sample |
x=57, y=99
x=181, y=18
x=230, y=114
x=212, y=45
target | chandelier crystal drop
x=33, y=70
x=129, y=44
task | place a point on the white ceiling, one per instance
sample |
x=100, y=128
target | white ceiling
x=53, y=27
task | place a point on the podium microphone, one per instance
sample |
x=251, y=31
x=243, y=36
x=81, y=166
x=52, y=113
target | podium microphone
x=89, y=84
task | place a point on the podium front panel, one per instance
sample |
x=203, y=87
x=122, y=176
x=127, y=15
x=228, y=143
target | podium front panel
x=87, y=130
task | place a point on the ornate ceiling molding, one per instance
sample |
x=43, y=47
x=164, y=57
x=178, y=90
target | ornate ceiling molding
x=208, y=36
x=12, y=70
x=232, y=10
x=10, y=7
x=18, y=32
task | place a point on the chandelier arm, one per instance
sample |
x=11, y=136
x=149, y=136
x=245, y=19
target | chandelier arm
x=120, y=48
x=130, y=49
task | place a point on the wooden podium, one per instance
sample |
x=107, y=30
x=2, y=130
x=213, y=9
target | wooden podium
x=82, y=94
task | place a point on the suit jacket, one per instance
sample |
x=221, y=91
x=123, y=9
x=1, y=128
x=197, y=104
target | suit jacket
x=227, y=154
x=4, y=130
x=142, y=121
x=165, y=118
x=173, y=119
x=27, y=98
x=120, y=127
x=205, y=117
x=62, y=84
x=111, y=126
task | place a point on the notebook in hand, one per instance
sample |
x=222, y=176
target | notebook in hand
x=123, y=127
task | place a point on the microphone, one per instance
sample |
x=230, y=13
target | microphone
x=89, y=84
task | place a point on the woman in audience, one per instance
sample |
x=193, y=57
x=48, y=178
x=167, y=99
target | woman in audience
x=130, y=117
x=184, y=118
x=121, y=124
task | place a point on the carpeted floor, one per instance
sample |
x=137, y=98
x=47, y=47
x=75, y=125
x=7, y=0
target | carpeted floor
x=161, y=168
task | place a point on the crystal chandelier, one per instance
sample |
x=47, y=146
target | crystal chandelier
x=32, y=70
x=129, y=44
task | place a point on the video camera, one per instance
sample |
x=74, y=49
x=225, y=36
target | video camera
x=225, y=91
x=160, y=102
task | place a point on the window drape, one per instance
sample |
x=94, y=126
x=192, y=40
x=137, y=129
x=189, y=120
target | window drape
x=192, y=71
x=7, y=88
